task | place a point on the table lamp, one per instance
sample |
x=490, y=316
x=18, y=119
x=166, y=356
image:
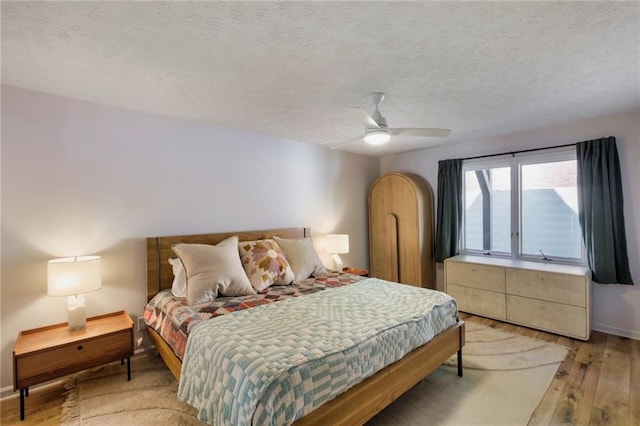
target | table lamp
x=337, y=244
x=72, y=277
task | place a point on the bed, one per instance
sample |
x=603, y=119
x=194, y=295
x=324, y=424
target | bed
x=358, y=403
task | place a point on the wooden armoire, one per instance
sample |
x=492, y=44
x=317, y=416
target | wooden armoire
x=401, y=230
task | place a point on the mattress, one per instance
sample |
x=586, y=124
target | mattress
x=275, y=363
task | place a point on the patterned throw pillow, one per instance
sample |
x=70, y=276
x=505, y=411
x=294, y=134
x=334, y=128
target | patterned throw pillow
x=265, y=264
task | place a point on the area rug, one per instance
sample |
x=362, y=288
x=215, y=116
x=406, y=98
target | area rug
x=489, y=349
x=481, y=397
x=104, y=397
x=484, y=396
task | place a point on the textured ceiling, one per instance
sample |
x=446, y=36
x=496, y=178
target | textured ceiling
x=483, y=69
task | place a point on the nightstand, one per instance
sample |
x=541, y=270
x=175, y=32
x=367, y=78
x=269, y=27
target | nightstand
x=51, y=352
x=356, y=271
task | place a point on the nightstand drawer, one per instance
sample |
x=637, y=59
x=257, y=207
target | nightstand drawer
x=58, y=361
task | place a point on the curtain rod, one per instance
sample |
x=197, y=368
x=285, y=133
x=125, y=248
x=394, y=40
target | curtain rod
x=513, y=153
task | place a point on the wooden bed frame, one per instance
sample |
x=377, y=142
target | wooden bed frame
x=356, y=405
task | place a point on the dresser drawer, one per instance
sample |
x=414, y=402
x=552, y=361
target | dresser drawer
x=484, y=277
x=555, y=317
x=560, y=288
x=476, y=301
x=57, y=361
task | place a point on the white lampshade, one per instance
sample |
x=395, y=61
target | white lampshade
x=73, y=275
x=337, y=243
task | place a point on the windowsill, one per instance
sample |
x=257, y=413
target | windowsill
x=535, y=259
x=551, y=266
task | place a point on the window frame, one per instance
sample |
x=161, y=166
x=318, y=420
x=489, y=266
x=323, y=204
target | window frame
x=515, y=162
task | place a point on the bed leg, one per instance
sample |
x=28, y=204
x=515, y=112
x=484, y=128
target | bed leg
x=460, y=362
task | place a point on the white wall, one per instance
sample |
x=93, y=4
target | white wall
x=82, y=178
x=616, y=308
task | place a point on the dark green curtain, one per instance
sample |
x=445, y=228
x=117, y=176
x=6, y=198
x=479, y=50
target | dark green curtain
x=449, y=214
x=600, y=206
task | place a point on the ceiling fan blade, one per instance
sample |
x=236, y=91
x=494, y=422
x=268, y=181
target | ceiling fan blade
x=364, y=117
x=349, y=142
x=420, y=132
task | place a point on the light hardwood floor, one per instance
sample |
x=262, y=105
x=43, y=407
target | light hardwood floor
x=597, y=384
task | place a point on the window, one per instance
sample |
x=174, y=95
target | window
x=523, y=207
x=487, y=224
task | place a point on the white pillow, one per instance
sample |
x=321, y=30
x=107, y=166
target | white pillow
x=302, y=257
x=179, y=286
x=213, y=270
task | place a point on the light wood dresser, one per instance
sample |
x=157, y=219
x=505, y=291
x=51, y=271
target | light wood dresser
x=545, y=296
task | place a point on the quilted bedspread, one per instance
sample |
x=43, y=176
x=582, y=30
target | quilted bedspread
x=173, y=318
x=275, y=363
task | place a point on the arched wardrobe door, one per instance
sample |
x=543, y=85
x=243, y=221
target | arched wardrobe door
x=401, y=230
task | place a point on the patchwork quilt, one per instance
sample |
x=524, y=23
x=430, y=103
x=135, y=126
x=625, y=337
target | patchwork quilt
x=275, y=363
x=173, y=318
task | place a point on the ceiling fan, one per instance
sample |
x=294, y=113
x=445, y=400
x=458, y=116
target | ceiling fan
x=377, y=132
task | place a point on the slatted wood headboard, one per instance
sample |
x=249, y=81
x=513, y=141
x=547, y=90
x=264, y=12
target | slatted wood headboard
x=160, y=272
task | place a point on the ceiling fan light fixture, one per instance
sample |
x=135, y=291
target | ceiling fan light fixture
x=377, y=136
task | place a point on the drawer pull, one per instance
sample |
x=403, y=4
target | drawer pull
x=79, y=347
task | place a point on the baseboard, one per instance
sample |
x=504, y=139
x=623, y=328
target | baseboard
x=604, y=328
x=7, y=392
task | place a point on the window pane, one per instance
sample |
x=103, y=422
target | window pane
x=488, y=209
x=550, y=210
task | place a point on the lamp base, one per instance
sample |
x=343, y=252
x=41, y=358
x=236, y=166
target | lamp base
x=337, y=262
x=77, y=312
